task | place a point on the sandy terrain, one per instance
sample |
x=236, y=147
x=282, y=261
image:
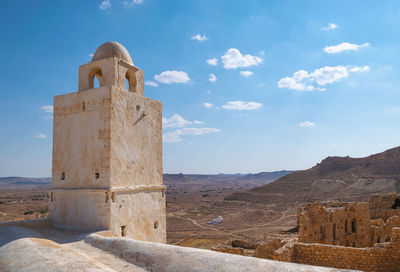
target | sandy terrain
x=192, y=201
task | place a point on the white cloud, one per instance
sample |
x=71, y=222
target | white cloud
x=169, y=77
x=131, y=3
x=212, y=78
x=151, y=83
x=212, y=62
x=208, y=92
x=199, y=37
x=241, y=105
x=175, y=136
x=105, y=4
x=329, y=74
x=303, y=81
x=358, y=69
x=345, y=46
x=196, y=131
x=47, y=108
x=175, y=121
x=234, y=59
x=330, y=27
x=178, y=123
x=208, y=105
x=41, y=136
x=306, y=124
x=246, y=73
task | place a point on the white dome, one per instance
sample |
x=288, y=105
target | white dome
x=112, y=49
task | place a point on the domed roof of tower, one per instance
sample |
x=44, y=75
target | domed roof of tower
x=112, y=49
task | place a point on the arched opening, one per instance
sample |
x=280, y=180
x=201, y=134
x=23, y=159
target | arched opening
x=322, y=232
x=354, y=226
x=95, y=78
x=334, y=231
x=354, y=244
x=387, y=239
x=378, y=240
x=346, y=230
x=96, y=82
x=130, y=81
x=126, y=84
x=396, y=204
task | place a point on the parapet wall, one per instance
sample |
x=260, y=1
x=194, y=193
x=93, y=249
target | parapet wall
x=167, y=258
x=381, y=257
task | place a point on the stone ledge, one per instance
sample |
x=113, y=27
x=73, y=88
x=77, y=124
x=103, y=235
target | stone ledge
x=166, y=258
x=129, y=189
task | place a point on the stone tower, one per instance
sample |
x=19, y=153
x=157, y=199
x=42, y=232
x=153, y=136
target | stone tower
x=107, y=152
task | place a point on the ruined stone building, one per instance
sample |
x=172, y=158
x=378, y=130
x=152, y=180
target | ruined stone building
x=335, y=223
x=355, y=224
x=355, y=235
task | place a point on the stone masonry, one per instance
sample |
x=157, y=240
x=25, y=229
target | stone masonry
x=107, y=152
x=364, y=236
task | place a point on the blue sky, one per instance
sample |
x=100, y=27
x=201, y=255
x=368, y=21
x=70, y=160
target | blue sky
x=246, y=86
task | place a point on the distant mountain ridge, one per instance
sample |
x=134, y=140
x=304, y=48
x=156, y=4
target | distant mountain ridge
x=15, y=181
x=335, y=178
x=169, y=179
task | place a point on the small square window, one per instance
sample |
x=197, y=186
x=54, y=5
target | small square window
x=123, y=231
x=97, y=175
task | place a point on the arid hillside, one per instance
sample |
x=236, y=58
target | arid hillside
x=335, y=178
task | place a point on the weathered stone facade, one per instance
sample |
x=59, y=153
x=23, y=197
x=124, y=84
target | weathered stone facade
x=107, y=152
x=350, y=224
x=334, y=223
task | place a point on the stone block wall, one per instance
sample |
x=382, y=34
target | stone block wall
x=381, y=231
x=381, y=257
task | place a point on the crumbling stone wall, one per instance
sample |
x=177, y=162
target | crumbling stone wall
x=267, y=250
x=384, y=206
x=335, y=223
x=381, y=231
x=381, y=257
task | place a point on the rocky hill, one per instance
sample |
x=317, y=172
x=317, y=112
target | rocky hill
x=335, y=178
